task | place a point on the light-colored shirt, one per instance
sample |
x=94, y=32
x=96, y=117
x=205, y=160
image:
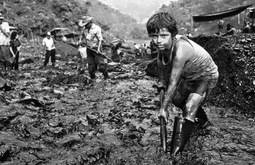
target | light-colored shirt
x=4, y=40
x=93, y=35
x=49, y=43
x=201, y=65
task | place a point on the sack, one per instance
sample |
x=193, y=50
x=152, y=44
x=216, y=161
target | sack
x=83, y=52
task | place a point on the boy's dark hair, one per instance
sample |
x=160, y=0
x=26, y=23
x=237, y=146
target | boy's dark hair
x=161, y=20
x=13, y=35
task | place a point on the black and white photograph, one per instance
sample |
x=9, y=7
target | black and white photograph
x=127, y=82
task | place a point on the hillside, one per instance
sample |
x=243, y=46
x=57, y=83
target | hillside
x=38, y=16
x=183, y=10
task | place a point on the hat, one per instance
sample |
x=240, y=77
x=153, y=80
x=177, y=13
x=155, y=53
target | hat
x=1, y=16
x=48, y=33
x=85, y=20
x=116, y=41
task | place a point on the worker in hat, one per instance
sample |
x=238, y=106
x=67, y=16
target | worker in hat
x=49, y=45
x=91, y=36
x=4, y=32
x=6, y=56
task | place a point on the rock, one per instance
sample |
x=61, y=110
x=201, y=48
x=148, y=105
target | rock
x=26, y=61
x=2, y=82
x=27, y=75
x=56, y=131
x=6, y=117
x=69, y=141
x=123, y=76
x=92, y=120
x=32, y=101
x=58, y=92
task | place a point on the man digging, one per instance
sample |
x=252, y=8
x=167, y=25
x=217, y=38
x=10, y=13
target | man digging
x=90, y=48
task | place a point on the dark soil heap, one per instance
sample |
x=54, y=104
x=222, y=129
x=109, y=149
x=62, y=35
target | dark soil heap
x=235, y=57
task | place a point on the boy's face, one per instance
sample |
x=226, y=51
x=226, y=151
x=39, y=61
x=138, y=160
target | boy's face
x=163, y=39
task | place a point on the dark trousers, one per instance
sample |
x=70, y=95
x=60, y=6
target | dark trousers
x=96, y=62
x=50, y=54
x=15, y=63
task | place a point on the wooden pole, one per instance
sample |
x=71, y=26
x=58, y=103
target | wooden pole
x=192, y=24
x=238, y=19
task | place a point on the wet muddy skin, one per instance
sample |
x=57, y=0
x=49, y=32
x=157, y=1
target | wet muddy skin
x=55, y=116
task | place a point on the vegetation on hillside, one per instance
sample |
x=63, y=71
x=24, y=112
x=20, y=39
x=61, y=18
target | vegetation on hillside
x=38, y=16
x=183, y=10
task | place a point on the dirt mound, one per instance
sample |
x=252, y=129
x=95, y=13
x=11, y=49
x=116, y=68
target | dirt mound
x=234, y=56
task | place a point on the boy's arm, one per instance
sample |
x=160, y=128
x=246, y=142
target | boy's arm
x=179, y=60
x=177, y=67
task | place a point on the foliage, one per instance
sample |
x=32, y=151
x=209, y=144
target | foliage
x=39, y=16
x=183, y=10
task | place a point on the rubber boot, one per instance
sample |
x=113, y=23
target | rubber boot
x=202, y=118
x=183, y=128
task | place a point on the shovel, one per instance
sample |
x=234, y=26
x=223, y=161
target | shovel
x=163, y=130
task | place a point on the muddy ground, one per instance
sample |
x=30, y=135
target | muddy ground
x=55, y=116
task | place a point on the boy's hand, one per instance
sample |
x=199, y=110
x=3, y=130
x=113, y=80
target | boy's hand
x=163, y=113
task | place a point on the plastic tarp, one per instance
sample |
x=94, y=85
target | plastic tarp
x=220, y=15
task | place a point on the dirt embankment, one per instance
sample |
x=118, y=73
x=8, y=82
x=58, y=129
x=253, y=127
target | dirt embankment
x=235, y=57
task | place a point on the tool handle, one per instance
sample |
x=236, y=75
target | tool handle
x=163, y=134
x=163, y=130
